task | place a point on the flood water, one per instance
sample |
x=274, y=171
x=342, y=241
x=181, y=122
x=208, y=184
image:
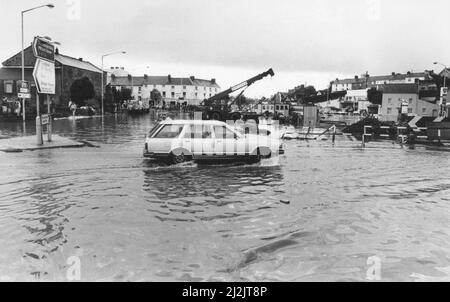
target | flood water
x=316, y=213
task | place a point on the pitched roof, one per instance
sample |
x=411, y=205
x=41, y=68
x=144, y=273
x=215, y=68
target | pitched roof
x=69, y=61
x=400, y=88
x=30, y=60
x=160, y=80
x=382, y=78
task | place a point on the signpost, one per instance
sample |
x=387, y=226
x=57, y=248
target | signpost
x=44, y=77
x=23, y=90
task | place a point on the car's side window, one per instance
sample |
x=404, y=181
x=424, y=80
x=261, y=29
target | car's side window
x=222, y=132
x=198, y=131
x=169, y=131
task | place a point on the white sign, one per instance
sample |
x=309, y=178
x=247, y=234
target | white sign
x=45, y=119
x=44, y=76
x=24, y=95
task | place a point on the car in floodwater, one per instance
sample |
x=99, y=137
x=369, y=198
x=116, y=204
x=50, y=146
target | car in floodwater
x=178, y=141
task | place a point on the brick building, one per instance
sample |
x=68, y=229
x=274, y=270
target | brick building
x=67, y=70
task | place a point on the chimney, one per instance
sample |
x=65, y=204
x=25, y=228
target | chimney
x=192, y=78
x=145, y=76
x=213, y=81
x=123, y=68
x=393, y=73
x=408, y=73
x=169, y=78
x=356, y=77
x=80, y=59
x=129, y=77
x=57, y=51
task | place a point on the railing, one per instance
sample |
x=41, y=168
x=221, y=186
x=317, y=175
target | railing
x=400, y=136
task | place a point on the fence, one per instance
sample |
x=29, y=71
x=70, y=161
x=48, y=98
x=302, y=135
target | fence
x=402, y=137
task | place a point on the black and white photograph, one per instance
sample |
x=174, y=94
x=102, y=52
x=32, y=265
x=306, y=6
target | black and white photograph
x=224, y=142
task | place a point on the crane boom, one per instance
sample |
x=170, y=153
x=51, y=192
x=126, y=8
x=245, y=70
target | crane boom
x=242, y=85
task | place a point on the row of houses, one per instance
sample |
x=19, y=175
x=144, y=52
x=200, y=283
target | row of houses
x=191, y=90
x=414, y=94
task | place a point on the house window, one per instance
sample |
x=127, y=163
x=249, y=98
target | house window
x=196, y=87
x=173, y=87
x=184, y=87
x=172, y=94
x=184, y=94
x=389, y=110
x=410, y=110
x=424, y=110
x=9, y=86
x=196, y=94
x=164, y=94
x=410, y=100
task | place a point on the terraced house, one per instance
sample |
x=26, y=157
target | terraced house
x=191, y=91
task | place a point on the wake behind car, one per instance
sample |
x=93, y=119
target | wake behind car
x=183, y=140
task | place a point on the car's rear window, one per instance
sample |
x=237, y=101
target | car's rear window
x=156, y=127
x=169, y=131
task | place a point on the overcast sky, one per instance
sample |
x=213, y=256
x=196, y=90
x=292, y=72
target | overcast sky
x=309, y=42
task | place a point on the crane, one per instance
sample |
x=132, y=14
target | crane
x=215, y=109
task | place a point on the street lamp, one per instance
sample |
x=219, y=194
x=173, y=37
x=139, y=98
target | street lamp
x=23, y=63
x=109, y=54
x=442, y=110
x=446, y=69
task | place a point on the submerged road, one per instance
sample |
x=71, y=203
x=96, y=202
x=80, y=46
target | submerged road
x=317, y=213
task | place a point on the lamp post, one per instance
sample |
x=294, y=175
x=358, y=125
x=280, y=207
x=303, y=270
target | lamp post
x=23, y=59
x=106, y=55
x=442, y=109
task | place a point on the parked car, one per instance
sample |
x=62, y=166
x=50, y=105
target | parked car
x=183, y=140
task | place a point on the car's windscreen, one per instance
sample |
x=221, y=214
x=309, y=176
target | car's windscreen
x=169, y=131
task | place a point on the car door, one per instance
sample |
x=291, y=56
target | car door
x=199, y=140
x=164, y=139
x=228, y=143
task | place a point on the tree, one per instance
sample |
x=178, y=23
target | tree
x=374, y=96
x=126, y=94
x=155, y=96
x=81, y=91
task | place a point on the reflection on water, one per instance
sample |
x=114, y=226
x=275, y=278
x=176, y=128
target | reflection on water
x=316, y=213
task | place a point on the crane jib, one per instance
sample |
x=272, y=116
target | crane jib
x=239, y=86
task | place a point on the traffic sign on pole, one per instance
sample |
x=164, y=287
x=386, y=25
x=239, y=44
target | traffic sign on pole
x=43, y=49
x=44, y=76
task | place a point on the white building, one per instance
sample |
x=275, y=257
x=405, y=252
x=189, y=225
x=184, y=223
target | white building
x=179, y=90
x=396, y=95
x=358, y=83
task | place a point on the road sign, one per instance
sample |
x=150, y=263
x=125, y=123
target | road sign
x=23, y=88
x=43, y=49
x=44, y=76
x=45, y=119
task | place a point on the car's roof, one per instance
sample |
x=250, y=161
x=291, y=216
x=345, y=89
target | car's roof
x=192, y=122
